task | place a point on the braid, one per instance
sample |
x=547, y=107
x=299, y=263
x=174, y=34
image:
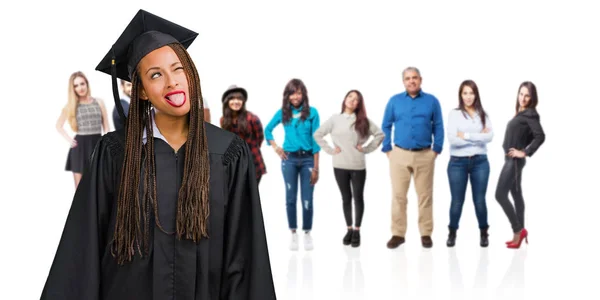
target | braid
x=192, y=202
x=127, y=226
x=149, y=177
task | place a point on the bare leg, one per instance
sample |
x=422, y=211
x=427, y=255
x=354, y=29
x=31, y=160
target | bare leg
x=77, y=177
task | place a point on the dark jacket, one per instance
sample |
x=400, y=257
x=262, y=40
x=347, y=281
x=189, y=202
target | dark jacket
x=524, y=132
x=232, y=263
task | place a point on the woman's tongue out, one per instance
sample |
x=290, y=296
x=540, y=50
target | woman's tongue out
x=176, y=99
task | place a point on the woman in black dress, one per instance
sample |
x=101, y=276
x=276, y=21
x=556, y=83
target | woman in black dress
x=87, y=117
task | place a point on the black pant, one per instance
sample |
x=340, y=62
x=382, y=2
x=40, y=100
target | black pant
x=352, y=183
x=510, y=181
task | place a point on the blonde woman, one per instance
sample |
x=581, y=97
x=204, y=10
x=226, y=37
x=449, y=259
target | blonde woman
x=87, y=117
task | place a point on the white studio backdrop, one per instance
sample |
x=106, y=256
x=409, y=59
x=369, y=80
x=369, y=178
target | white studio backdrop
x=334, y=47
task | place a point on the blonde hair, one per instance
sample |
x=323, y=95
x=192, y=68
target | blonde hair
x=73, y=99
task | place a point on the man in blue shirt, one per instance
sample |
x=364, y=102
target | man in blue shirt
x=418, y=139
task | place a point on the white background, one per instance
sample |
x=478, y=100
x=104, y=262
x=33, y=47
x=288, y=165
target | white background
x=335, y=47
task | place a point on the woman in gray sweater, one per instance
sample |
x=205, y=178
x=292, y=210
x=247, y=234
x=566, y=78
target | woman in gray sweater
x=349, y=130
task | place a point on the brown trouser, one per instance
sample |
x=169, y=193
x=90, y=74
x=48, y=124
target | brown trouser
x=403, y=164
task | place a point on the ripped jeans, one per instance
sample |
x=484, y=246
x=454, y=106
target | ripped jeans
x=298, y=166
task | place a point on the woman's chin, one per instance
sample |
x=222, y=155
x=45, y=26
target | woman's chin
x=174, y=111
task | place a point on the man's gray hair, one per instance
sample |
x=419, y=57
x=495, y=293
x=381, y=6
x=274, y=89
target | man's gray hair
x=411, y=69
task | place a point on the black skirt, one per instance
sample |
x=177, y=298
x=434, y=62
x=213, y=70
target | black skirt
x=79, y=156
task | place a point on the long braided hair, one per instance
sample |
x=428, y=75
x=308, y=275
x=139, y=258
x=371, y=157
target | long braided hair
x=133, y=213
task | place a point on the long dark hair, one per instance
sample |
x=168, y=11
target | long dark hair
x=240, y=117
x=361, y=125
x=476, y=103
x=533, y=96
x=286, y=107
x=192, y=202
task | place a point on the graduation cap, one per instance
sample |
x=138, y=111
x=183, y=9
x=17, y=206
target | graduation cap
x=145, y=33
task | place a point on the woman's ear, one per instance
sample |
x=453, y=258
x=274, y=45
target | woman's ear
x=142, y=93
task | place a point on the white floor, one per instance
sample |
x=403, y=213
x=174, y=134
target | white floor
x=411, y=272
x=562, y=248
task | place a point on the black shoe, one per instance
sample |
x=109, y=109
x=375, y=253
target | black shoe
x=355, y=238
x=484, y=242
x=348, y=237
x=451, y=238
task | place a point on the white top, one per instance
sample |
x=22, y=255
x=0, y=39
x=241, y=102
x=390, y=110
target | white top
x=155, y=131
x=475, y=141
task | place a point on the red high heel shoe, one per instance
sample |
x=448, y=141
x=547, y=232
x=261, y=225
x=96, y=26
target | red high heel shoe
x=522, y=236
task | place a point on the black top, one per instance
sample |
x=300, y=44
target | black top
x=233, y=263
x=524, y=132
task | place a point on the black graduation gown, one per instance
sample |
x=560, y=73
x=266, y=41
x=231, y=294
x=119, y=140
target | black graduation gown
x=233, y=263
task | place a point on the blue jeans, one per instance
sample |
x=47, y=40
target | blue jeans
x=460, y=169
x=298, y=167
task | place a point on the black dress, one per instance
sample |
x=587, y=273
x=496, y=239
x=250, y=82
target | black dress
x=89, y=131
x=233, y=263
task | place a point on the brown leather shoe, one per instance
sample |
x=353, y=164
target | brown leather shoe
x=426, y=241
x=395, y=241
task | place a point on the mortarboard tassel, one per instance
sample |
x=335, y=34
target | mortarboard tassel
x=113, y=68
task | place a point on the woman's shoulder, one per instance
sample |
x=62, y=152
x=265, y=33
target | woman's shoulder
x=455, y=113
x=334, y=116
x=530, y=113
x=312, y=113
x=112, y=143
x=252, y=116
x=223, y=142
